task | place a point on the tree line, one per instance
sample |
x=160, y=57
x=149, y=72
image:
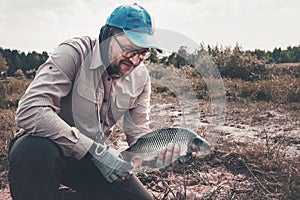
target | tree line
x=278, y=55
x=12, y=61
x=232, y=62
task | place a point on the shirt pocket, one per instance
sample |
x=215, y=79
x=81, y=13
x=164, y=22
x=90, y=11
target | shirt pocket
x=84, y=102
x=125, y=101
x=87, y=92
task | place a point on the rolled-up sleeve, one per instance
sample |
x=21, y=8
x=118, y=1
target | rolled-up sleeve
x=38, y=109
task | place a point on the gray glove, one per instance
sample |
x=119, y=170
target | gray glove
x=109, y=162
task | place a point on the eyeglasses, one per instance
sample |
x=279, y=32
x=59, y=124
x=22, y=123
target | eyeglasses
x=128, y=53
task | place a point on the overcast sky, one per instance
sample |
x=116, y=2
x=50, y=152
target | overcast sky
x=41, y=25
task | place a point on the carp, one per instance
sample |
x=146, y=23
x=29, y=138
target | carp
x=148, y=146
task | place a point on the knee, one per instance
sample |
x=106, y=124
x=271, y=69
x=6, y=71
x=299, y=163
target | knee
x=35, y=154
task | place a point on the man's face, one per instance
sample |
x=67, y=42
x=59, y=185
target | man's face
x=124, y=55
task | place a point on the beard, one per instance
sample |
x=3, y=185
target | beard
x=115, y=69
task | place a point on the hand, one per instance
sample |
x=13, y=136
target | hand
x=168, y=155
x=109, y=163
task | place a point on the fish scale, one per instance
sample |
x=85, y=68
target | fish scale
x=159, y=139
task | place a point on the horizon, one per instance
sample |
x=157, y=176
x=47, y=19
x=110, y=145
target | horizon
x=220, y=46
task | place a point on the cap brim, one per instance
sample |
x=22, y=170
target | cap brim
x=143, y=40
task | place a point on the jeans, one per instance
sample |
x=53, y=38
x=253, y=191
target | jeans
x=37, y=167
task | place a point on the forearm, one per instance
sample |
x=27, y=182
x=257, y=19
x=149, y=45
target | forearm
x=44, y=122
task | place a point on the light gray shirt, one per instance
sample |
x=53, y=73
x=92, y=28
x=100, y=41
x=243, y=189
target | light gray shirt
x=72, y=100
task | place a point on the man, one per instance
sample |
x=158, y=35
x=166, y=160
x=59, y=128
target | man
x=67, y=112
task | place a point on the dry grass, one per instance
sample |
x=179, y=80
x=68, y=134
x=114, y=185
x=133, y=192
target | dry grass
x=7, y=130
x=11, y=90
x=282, y=85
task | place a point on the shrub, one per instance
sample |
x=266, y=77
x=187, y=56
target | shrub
x=11, y=91
x=237, y=64
x=277, y=90
x=19, y=73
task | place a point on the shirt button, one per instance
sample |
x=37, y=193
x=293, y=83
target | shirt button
x=104, y=100
x=101, y=121
x=108, y=79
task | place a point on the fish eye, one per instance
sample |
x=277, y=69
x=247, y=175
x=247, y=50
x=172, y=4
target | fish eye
x=197, y=142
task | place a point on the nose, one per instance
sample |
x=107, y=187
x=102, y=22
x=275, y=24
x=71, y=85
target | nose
x=135, y=59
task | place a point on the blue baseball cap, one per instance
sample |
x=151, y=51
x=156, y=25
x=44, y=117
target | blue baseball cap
x=136, y=23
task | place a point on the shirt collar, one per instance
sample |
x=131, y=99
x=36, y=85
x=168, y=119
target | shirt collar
x=128, y=77
x=96, y=60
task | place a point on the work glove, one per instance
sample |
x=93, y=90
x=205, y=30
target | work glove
x=110, y=163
